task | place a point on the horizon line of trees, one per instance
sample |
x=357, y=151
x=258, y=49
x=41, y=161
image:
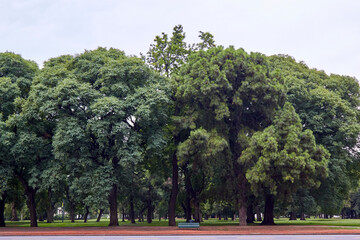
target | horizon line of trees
x=193, y=130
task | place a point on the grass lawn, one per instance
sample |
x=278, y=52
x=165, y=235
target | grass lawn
x=320, y=221
x=210, y=222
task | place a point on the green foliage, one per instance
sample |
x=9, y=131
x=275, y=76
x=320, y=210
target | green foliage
x=109, y=111
x=199, y=153
x=16, y=76
x=86, y=122
x=19, y=70
x=8, y=92
x=229, y=91
x=167, y=55
x=327, y=105
x=283, y=157
x=207, y=41
x=229, y=85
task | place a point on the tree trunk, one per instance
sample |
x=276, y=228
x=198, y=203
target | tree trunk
x=71, y=205
x=132, y=211
x=99, y=216
x=240, y=187
x=343, y=213
x=292, y=216
x=150, y=209
x=219, y=216
x=49, y=215
x=123, y=214
x=2, y=209
x=86, y=214
x=72, y=211
x=174, y=187
x=140, y=216
x=149, y=214
x=30, y=192
x=188, y=189
x=49, y=208
x=188, y=209
x=302, y=216
x=242, y=201
x=258, y=213
x=250, y=218
x=13, y=212
x=242, y=216
x=196, y=210
x=113, y=206
x=269, y=210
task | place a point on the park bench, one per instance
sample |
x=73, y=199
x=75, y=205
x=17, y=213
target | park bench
x=189, y=225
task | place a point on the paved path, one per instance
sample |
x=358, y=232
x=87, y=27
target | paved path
x=203, y=237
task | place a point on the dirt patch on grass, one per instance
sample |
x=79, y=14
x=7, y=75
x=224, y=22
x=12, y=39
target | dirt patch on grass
x=205, y=230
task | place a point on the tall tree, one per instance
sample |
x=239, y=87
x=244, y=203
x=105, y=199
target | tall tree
x=282, y=158
x=16, y=75
x=166, y=56
x=30, y=153
x=327, y=105
x=107, y=107
x=6, y=173
x=232, y=94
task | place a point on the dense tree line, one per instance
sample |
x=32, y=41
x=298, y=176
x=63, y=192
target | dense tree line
x=192, y=130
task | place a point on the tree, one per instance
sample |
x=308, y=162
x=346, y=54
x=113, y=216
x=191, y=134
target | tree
x=327, y=105
x=16, y=75
x=166, y=57
x=6, y=173
x=198, y=154
x=303, y=203
x=29, y=153
x=107, y=108
x=15, y=197
x=281, y=158
x=231, y=94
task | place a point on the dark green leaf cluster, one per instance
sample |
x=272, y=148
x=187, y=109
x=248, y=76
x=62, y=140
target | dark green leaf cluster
x=283, y=157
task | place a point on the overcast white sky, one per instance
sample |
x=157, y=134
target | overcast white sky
x=323, y=33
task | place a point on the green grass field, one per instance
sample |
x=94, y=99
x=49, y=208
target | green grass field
x=211, y=222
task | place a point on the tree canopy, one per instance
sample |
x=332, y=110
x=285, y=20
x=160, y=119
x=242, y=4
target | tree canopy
x=197, y=128
x=282, y=158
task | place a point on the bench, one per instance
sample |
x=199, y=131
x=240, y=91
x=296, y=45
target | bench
x=189, y=225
